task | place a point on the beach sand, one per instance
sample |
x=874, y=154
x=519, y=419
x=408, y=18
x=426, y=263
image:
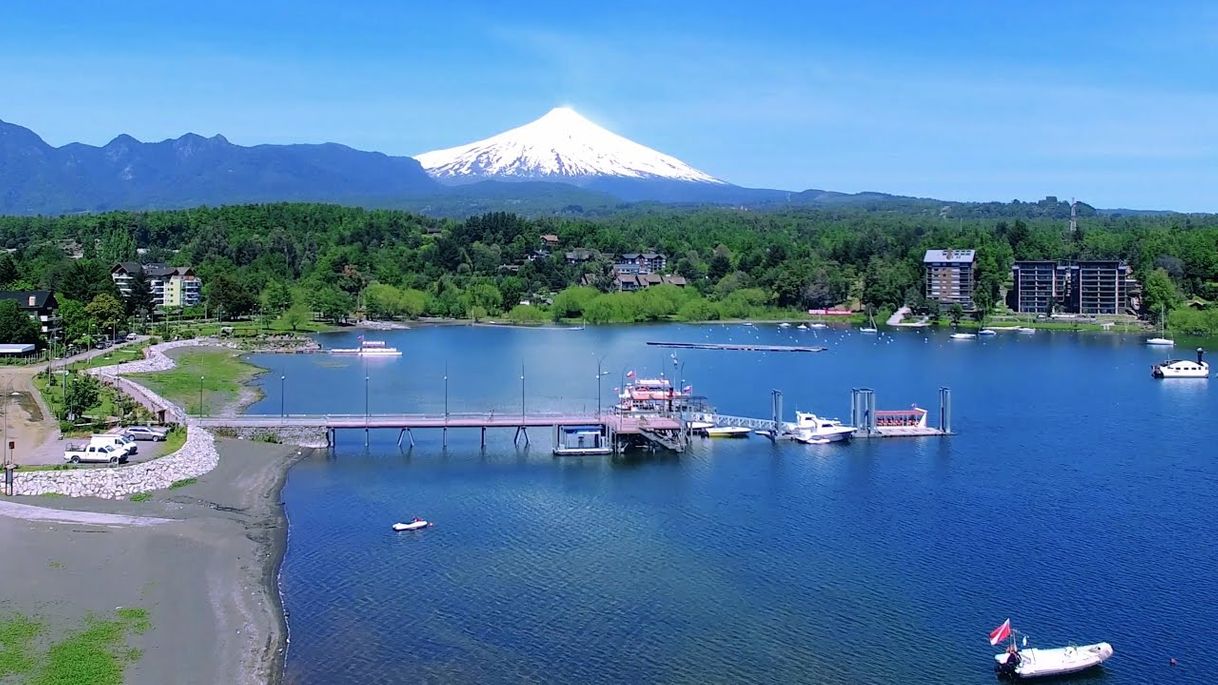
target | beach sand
x=202, y=559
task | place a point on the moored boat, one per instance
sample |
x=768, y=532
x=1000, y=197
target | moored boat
x=727, y=432
x=986, y=332
x=369, y=348
x=963, y=336
x=1032, y=662
x=1182, y=368
x=1163, y=342
x=810, y=428
x=414, y=524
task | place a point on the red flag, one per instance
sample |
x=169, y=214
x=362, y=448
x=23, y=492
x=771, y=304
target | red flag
x=1001, y=633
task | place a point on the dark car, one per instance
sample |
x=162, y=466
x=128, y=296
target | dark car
x=146, y=433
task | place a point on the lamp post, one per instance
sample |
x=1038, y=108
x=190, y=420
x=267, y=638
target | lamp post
x=522, y=391
x=446, y=390
x=202, y=411
x=366, y=379
x=281, y=380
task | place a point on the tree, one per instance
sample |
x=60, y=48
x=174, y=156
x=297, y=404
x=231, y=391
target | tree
x=383, y=301
x=229, y=297
x=138, y=299
x=8, y=270
x=276, y=297
x=15, y=325
x=75, y=320
x=105, y=311
x=332, y=303
x=955, y=313
x=296, y=316
x=81, y=395
x=1159, y=293
x=572, y=302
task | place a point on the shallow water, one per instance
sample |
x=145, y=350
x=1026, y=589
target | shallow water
x=1077, y=499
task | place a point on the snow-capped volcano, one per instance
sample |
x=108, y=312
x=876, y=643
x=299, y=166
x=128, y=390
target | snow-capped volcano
x=560, y=146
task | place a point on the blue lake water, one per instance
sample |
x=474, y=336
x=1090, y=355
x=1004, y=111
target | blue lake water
x=1077, y=499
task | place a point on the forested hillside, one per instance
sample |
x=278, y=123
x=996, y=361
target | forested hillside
x=333, y=259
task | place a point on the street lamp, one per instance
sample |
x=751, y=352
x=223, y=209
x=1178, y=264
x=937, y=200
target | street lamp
x=281, y=379
x=366, y=379
x=522, y=391
x=446, y=390
x=202, y=412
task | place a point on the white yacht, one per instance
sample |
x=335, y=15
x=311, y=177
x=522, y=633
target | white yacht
x=811, y=428
x=1163, y=342
x=369, y=348
x=1182, y=368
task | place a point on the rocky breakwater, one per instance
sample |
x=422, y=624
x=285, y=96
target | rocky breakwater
x=196, y=457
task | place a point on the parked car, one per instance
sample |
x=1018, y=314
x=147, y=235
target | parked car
x=147, y=433
x=91, y=453
x=120, y=441
x=131, y=337
x=102, y=344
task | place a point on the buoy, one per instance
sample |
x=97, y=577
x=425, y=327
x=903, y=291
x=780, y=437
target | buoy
x=1172, y=661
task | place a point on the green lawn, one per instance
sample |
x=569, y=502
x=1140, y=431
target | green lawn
x=116, y=355
x=96, y=653
x=217, y=374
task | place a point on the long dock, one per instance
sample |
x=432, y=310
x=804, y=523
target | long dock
x=736, y=347
x=662, y=431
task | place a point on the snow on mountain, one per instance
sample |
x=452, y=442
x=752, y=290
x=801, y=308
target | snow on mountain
x=560, y=146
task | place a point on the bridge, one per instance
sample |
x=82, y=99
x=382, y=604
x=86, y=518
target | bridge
x=658, y=429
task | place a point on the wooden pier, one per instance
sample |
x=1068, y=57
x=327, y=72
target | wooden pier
x=667, y=432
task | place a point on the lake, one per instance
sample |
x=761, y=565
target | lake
x=1077, y=499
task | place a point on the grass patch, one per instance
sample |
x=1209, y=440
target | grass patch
x=97, y=654
x=175, y=439
x=217, y=375
x=141, y=497
x=114, y=355
x=183, y=483
x=17, y=635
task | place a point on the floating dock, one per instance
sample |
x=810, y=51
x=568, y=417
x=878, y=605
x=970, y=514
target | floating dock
x=736, y=347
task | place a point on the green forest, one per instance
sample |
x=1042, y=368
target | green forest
x=296, y=262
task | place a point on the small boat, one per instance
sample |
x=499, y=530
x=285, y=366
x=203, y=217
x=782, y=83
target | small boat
x=784, y=324
x=1025, y=330
x=1031, y=662
x=963, y=336
x=818, y=325
x=727, y=432
x=802, y=326
x=870, y=327
x=414, y=524
x=1161, y=340
x=1165, y=342
x=986, y=332
x=369, y=348
x=1182, y=368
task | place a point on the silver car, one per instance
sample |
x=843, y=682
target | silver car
x=146, y=433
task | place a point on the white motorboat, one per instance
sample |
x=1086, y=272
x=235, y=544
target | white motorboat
x=369, y=348
x=727, y=432
x=1031, y=662
x=818, y=325
x=1025, y=329
x=784, y=324
x=802, y=326
x=963, y=336
x=414, y=524
x=1164, y=342
x=809, y=427
x=699, y=426
x=986, y=332
x=1182, y=368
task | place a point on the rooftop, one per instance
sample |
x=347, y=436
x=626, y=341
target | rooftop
x=949, y=256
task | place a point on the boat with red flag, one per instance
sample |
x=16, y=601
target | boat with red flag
x=1022, y=662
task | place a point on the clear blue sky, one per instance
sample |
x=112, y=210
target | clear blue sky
x=1113, y=102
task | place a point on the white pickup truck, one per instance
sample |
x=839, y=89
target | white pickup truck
x=122, y=442
x=98, y=454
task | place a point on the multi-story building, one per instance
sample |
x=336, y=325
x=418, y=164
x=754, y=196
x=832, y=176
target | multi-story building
x=1083, y=287
x=641, y=262
x=171, y=286
x=1040, y=286
x=41, y=306
x=950, y=276
x=1103, y=286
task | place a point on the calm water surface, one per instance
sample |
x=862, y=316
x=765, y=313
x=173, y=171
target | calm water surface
x=1077, y=499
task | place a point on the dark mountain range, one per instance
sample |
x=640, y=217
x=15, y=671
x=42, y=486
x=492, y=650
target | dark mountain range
x=36, y=178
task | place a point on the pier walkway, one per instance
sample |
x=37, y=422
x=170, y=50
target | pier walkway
x=662, y=430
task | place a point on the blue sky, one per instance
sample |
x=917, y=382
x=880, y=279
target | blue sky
x=1115, y=103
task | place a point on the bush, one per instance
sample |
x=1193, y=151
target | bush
x=526, y=314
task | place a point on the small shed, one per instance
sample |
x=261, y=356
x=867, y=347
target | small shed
x=16, y=349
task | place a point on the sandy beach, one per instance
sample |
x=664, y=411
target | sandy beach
x=202, y=559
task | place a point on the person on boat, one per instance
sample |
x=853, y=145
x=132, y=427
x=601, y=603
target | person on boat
x=1013, y=658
